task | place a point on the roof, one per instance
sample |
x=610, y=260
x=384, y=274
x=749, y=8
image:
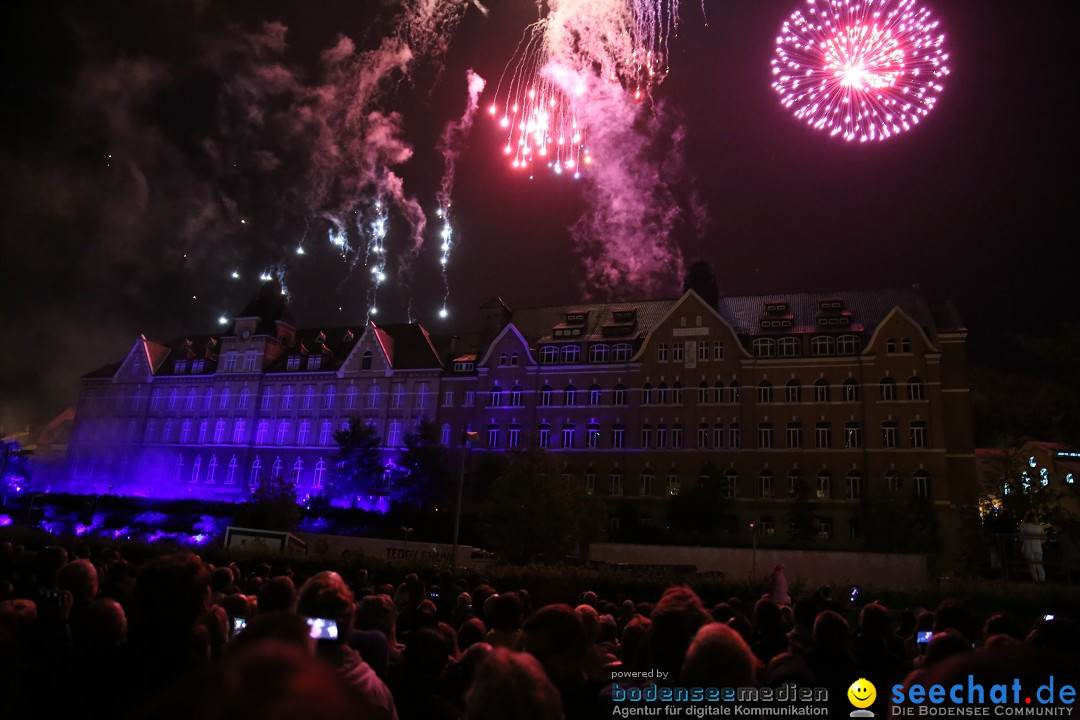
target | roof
x=410, y=347
x=333, y=343
x=866, y=307
x=536, y=324
x=269, y=306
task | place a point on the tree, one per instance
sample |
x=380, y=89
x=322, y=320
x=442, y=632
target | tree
x=272, y=506
x=14, y=467
x=424, y=465
x=534, y=510
x=359, y=462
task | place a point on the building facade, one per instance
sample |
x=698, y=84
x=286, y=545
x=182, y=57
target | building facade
x=832, y=395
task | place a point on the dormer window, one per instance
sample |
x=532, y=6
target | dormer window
x=576, y=318
x=463, y=367
x=624, y=316
x=294, y=363
x=831, y=305
x=197, y=366
x=314, y=362
x=776, y=308
x=180, y=367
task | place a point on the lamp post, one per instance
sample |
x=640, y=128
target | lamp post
x=466, y=436
x=753, y=535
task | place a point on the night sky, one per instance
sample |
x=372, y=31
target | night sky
x=973, y=204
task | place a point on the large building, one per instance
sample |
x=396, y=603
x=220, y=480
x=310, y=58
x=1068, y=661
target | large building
x=833, y=395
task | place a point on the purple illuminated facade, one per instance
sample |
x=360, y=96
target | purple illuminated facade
x=844, y=394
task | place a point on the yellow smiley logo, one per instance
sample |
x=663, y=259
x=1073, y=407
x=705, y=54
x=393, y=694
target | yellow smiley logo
x=862, y=693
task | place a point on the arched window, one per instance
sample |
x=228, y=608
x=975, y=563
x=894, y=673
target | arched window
x=196, y=468
x=821, y=390
x=365, y=360
x=230, y=473
x=887, y=386
x=854, y=485
x=677, y=393
x=892, y=481
x=789, y=347
x=320, y=472
x=851, y=390
x=648, y=481
x=735, y=391
x=921, y=483
x=282, y=431
x=718, y=392
x=765, y=483
x=444, y=435
x=571, y=353
x=515, y=396
x=703, y=392
x=848, y=345
x=618, y=395
x=513, y=359
x=916, y=388
x=569, y=395
x=731, y=483
x=764, y=392
x=646, y=394
x=822, y=345
x=824, y=485
x=495, y=399
x=297, y=471
x=890, y=346
x=905, y=345
x=594, y=395
x=503, y=359
x=545, y=396
x=598, y=353
x=549, y=354
x=764, y=347
x=275, y=469
x=794, y=483
x=256, y=470
x=793, y=391
x=662, y=393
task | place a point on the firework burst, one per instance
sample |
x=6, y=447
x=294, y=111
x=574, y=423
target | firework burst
x=860, y=69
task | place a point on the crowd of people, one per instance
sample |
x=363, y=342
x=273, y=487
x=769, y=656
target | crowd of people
x=94, y=635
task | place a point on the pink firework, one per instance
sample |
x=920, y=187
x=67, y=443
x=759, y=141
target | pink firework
x=860, y=69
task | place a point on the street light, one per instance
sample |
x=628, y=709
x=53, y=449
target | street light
x=466, y=436
x=753, y=535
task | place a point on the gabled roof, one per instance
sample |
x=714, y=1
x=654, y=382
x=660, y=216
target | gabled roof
x=536, y=324
x=409, y=346
x=269, y=306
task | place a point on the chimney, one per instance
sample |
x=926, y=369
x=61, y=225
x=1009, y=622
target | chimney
x=700, y=279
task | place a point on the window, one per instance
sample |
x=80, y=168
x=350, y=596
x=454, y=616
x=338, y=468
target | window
x=287, y=397
x=618, y=395
x=735, y=436
x=495, y=397
x=887, y=386
x=646, y=394
x=824, y=485
x=448, y=398
x=282, y=432
x=223, y=399
x=208, y=398
x=543, y=436
x=764, y=392
x=592, y=436
x=513, y=359
x=661, y=435
x=545, y=396
x=852, y=435
x=568, y=435
x=615, y=482
x=373, y=397
x=677, y=435
x=823, y=435
x=350, y=398
x=821, y=390
x=470, y=396
x=703, y=435
x=422, y=394
x=767, y=526
x=444, y=435
x=196, y=468
x=822, y=345
x=847, y=345
x=174, y=394
x=892, y=481
x=674, y=483
x=735, y=392
x=718, y=392
x=662, y=352
x=789, y=347
x=275, y=469
x=549, y=354
x=854, y=485
x=793, y=391
x=365, y=360
x=569, y=395
x=921, y=480
x=219, y=432
x=571, y=353
x=598, y=353
x=888, y=434
x=230, y=362
x=309, y=397
x=192, y=395
x=397, y=400
x=718, y=350
x=393, y=436
x=297, y=471
x=794, y=435
x=718, y=435
x=764, y=347
x=703, y=351
x=256, y=470
x=304, y=433
x=245, y=397
x=646, y=435
x=918, y=434
x=765, y=436
x=590, y=481
x=703, y=393
x=293, y=363
x=731, y=483
x=916, y=389
x=594, y=395
x=765, y=483
x=503, y=359
x=618, y=437
x=677, y=393
x=620, y=352
x=794, y=483
x=647, y=482
x=890, y=346
x=251, y=361
x=185, y=432
x=230, y=473
x=320, y=471
x=314, y=362
x=326, y=433
x=239, y=432
x=823, y=528
x=180, y=367
x=515, y=396
x=493, y=436
x=203, y=428
x=513, y=436
x=905, y=345
x=677, y=352
x=662, y=393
